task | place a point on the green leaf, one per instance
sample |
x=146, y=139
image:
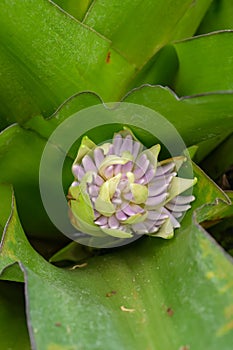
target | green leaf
x=47, y=58
x=5, y=205
x=134, y=219
x=20, y=153
x=220, y=160
x=140, y=193
x=205, y=120
x=221, y=230
x=218, y=17
x=14, y=333
x=166, y=231
x=144, y=286
x=128, y=23
x=189, y=23
x=179, y=185
x=160, y=69
x=76, y=8
x=117, y=233
x=201, y=67
x=69, y=57
x=86, y=146
x=83, y=216
x=70, y=253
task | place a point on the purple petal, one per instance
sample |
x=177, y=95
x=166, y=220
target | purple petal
x=142, y=161
x=93, y=190
x=108, y=172
x=128, y=196
x=117, y=169
x=174, y=222
x=88, y=163
x=136, y=148
x=150, y=223
x=117, y=142
x=154, y=201
x=140, y=228
x=177, y=214
x=178, y=208
x=113, y=222
x=98, y=180
x=127, y=167
x=74, y=184
x=111, y=150
x=93, y=199
x=98, y=156
x=97, y=214
x=102, y=220
x=128, y=210
x=155, y=190
x=140, y=171
x=182, y=200
x=154, y=229
x=156, y=215
x=161, y=180
x=105, y=226
x=165, y=178
x=159, y=222
x=116, y=200
x=117, y=193
x=127, y=144
x=78, y=171
x=150, y=173
x=120, y=215
x=132, y=209
x=137, y=209
x=164, y=169
x=122, y=184
x=141, y=181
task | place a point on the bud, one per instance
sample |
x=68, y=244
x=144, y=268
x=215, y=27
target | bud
x=121, y=190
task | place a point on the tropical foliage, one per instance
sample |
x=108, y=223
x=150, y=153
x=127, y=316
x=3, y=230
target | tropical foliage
x=58, y=58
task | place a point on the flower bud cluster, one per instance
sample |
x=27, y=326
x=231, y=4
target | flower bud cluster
x=120, y=189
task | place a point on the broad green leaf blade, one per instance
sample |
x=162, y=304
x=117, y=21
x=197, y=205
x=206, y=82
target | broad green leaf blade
x=12, y=272
x=20, y=155
x=205, y=120
x=186, y=115
x=222, y=230
x=203, y=62
x=220, y=160
x=76, y=8
x=137, y=29
x=191, y=20
x=163, y=66
x=45, y=127
x=160, y=69
x=5, y=205
x=218, y=17
x=70, y=253
x=218, y=204
x=47, y=56
x=117, y=300
x=14, y=333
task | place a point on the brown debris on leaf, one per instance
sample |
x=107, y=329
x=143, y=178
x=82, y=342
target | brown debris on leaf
x=78, y=266
x=170, y=312
x=110, y=294
x=126, y=309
